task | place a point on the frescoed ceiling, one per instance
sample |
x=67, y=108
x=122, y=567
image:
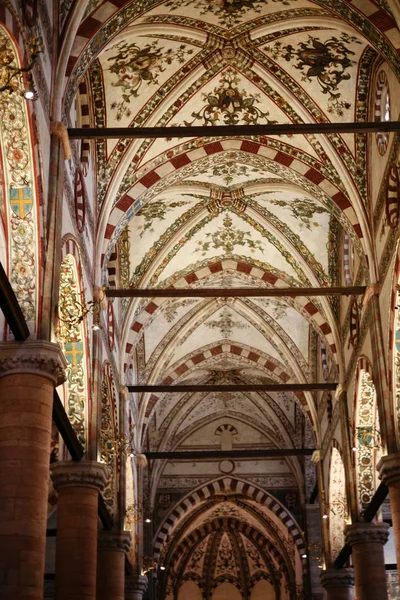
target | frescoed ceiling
x=227, y=212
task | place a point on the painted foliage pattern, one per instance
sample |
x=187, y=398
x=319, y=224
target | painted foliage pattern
x=327, y=62
x=366, y=439
x=134, y=66
x=228, y=12
x=73, y=347
x=14, y=134
x=107, y=435
x=230, y=104
x=337, y=503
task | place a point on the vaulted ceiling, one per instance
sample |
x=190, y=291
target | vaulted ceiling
x=253, y=211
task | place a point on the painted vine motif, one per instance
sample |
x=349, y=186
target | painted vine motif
x=107, y=436
x=225, y=323
x=228, y=12
x=337, y=503
x=230, y=104
x=327, y=62
x=226, y=238
x=72, y=338
x=156, y=209
x=133, y=66
x=21, y=205
x=366, y=439
x=302, y=209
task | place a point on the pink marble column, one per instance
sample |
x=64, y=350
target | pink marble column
x=78, y=486
x=367, y=541
x=29, y=371
x=112, y=548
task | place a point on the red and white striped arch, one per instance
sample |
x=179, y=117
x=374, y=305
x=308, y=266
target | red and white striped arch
x=226, y=485
x=131, y=200
x=272, y=280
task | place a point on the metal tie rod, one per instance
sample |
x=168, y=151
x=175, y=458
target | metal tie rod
x=231, y=130
x=268, y=387
x=218, y=454
x=234, y=292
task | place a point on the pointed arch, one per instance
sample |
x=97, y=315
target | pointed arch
x=108, y=433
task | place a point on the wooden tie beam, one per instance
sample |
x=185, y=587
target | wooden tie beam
x=231, y=130
x=233, y=454
x=237, y=387
x=292, y=292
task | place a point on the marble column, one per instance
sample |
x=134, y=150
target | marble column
x=389, y=472
x=135, y=587
x=338, y=583
x=112, y=548
x=367, y=541
x=78, y=486
x=29, y=372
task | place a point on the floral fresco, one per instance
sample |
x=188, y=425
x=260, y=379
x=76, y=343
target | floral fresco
x=228, y=12
x=225, y=323
x=302, y=209
x=134, y=66
x=230, y=104
x=226, y=238
x=328, y=62
x=156, y=210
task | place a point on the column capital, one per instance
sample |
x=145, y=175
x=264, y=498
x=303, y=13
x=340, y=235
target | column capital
x=119, y=541
x=367, y=533
x=389, y=468
x=37, y=357
x=334, y=578
x=136, y=584
x=87, y=473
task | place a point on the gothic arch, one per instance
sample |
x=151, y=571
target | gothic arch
x=226, y=485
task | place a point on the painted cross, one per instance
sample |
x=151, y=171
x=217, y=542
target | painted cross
x=21, y=201
x=74, y=352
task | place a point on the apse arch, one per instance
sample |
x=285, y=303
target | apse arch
x=230, y=486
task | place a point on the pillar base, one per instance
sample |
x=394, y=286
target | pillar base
x=338, y=583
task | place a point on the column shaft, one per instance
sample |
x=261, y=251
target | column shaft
x=111, y=564
x=338, y=583
x=389, y=472
x=367, y=541
x=25, y=435
x=78, y=486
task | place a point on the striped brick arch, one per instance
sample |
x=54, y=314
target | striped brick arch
x=216, y=267
x=392, y=196
x=83, y=118
x=227, y=485
x=69, y=245
x=131, y=202
x=196, y=358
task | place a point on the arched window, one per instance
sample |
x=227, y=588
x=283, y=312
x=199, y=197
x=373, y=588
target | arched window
x=337, y=503
x=71, y=334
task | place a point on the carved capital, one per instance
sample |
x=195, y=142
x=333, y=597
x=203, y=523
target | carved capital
x=135, y=586
x=337, y=578
x=367, y=533
x=117, y=541
x=37, y=357
x=89, y=474
x=373, y=289
x=389, y=469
